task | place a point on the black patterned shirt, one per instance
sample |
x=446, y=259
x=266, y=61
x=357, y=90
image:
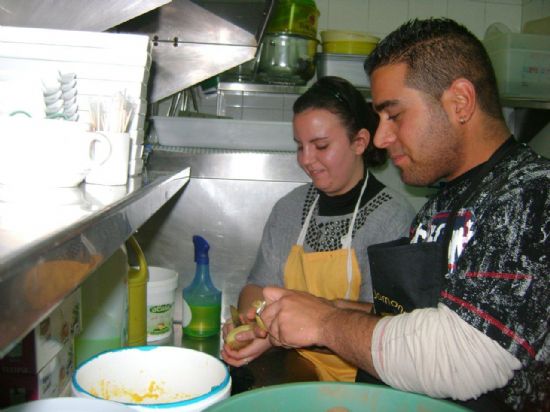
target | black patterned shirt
x=499, y=260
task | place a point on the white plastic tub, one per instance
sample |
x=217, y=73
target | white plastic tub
x=161, y=296
x=347, y=66
x=521, y=63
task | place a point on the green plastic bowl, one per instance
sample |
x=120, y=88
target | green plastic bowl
x=331, y=397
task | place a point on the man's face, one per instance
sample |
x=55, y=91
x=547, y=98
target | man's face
x=414, y=128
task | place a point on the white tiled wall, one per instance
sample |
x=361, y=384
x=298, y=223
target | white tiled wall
x=379, y=17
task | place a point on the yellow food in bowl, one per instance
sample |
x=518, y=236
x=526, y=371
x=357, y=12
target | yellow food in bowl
x=155, y=393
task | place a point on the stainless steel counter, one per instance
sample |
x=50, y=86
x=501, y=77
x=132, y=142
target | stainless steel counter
x=50, y=240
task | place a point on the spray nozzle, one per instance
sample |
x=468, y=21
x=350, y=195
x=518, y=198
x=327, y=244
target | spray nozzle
x=201, y=249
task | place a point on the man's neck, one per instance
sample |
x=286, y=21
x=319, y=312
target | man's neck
x=482, y=138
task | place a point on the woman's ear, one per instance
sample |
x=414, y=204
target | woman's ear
x=361, y=141
x=459, y=101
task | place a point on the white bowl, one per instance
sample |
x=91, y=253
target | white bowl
x=154, y=377
x=69, y=405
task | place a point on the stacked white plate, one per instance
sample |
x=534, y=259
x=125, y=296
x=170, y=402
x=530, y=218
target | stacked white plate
x=104, y=63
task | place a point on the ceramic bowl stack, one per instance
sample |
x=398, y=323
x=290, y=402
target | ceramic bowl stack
x=103, y=64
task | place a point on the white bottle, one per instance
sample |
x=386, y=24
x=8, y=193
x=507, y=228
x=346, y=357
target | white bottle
x=104, y=308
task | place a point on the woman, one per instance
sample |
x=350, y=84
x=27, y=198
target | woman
x=316, y=237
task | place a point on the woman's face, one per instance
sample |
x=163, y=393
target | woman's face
x=325, y=152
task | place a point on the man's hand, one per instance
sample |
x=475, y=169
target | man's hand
x=295, y=319
x=298, y=319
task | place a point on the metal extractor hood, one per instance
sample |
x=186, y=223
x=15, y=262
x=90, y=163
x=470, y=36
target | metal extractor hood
x=86, y=15
x=192, y=40
x=195, y=40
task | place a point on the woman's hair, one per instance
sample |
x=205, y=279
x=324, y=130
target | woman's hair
x=437, y=52
x=341, y=98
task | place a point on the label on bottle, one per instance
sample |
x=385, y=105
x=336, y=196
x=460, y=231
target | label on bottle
x=201, y=321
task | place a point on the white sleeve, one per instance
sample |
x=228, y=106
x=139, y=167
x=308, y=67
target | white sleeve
x=433, y=351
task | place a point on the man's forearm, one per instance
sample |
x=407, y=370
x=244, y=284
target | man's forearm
x=349, y=334
x=351, y=304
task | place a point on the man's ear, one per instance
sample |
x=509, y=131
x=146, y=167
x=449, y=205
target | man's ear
x=459, y=101
x=361, y=141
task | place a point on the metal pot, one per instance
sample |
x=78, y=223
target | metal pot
x=286, y=59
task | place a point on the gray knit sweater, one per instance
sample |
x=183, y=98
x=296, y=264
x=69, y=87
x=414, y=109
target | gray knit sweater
x=386, y=215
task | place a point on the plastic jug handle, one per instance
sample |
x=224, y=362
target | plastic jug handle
x=139, y=274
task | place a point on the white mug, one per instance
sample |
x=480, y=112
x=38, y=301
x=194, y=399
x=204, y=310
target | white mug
x=114, y=171
x=47, y=152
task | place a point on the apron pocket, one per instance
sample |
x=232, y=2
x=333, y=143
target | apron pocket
x=406, y=276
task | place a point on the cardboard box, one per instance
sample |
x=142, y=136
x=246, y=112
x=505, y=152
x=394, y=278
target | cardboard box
x=41, y=345
x=49, y=382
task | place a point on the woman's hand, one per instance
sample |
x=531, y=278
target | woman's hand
x=258, y=344
x=247, y=344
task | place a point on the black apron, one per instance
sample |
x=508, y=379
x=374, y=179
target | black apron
x=409, y=276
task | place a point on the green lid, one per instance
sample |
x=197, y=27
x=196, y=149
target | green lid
x=294, y=17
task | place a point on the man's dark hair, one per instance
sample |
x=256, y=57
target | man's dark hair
x=341, y=98
x=437, y=52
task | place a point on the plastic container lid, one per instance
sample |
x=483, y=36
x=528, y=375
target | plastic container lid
x=347, y=35
x=348, y=42
x=294, y=16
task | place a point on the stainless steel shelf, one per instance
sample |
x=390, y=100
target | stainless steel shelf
x=261, y=88
x=271, y=88
x=526, y=103
x=290, y=89
x=48, y=247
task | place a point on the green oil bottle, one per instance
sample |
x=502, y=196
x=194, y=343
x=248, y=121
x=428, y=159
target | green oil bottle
x=201, y=299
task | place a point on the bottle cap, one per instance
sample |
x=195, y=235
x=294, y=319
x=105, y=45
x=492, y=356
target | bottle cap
x=201, y=249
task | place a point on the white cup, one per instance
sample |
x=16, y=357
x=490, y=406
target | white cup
x=47, y=152
x=114, y=171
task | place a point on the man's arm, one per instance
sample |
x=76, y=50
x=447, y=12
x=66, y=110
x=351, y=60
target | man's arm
x=350, y=304
x=431, y=351
x=298, y=319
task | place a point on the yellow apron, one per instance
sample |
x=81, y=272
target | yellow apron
x=331, y=275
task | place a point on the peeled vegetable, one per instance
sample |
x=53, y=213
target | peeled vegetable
x=238, y=344
x=230, y=339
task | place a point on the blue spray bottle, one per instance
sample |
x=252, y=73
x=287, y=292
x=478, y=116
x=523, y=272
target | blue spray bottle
x=201, y=299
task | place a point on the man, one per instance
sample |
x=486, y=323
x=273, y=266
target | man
x=471, y=303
